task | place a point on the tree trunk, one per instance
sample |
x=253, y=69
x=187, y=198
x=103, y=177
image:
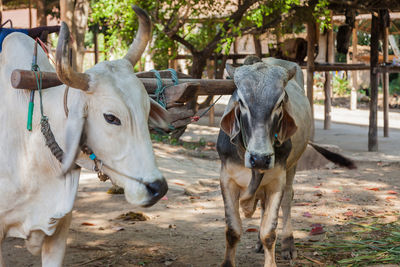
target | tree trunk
x=257, y=46
x=41, y=19
x=75, y=14
x=1, y=12
x=199, y=63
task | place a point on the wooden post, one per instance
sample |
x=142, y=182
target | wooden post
x=30, y=13
x=311, y=32
x=354, y=74
x=328, y=78
x=96, y=46
x=385, y=76
x=373, y=105
x=211, y=112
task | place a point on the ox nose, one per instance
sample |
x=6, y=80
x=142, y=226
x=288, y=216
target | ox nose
x=260, y=161
x=156, y=191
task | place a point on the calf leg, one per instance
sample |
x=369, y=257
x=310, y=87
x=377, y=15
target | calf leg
x=288, y=249
x=269, y=221
x=1, y=255
x=259, y=245
x=53, y=248
x=230, y=194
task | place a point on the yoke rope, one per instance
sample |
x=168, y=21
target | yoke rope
x=160, y=91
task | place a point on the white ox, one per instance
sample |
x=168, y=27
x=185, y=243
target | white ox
x=108, y=111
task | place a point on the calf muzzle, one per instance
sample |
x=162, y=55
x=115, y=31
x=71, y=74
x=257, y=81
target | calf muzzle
x=260, y=161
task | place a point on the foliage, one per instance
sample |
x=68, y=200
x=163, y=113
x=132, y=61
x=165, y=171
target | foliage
x=394, y=86
x=52, y=6
x=360, y=244
x=341, y=85
x=200, y=26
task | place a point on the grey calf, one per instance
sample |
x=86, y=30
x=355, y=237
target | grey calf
x=264, y=130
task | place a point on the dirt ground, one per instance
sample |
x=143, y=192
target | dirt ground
x=186, y=228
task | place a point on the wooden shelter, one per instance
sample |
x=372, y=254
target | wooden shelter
x=380, y=22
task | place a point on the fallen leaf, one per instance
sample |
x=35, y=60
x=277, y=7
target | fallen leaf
x=391, y=197
x=133, y=216
x=194, y=197
x=307, y=214
x=249, y=230
x=336, y=191
x=88, y=224
x=302, y=204
x=317, y=229
x=392, y=192
x=318, y=194
x=372, y=188
x=348, y=213
x=179, y=184
x=164, y=198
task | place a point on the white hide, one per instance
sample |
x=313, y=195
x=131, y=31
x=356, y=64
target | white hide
x=33, y=193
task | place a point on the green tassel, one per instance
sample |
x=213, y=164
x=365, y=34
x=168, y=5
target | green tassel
x=30, y=114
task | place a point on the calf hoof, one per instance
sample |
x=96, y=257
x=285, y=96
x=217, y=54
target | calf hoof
x=288, y=251
x=259, y=247
x=227, y=263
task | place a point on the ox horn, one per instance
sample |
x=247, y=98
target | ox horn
x=142, y=37
x=64, y=70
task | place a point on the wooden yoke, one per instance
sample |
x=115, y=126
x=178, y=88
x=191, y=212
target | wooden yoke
x=26, y=79
x=183, y=92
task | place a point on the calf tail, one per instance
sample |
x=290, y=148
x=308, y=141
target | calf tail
x=334, y=157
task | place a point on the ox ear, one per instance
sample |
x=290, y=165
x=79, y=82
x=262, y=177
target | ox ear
x=230, y=120
x=159, y=116
x=288, y=124
x=74, y=129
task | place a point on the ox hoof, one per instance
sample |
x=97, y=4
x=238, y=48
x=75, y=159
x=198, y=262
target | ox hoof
x=288, y=251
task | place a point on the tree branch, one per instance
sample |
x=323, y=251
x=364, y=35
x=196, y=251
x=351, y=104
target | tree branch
x=184, y=42
x=234, y=19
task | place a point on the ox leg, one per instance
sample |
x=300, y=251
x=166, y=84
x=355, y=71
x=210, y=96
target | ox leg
x=53, y=248
x=230, y=193
x=288, y=249
x=269, y=222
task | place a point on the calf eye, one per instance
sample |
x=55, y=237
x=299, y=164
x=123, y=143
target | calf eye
x=111, y=119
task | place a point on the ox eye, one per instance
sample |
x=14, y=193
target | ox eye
x=111, y=119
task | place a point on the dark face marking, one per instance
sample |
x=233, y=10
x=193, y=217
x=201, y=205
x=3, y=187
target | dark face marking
x=261, y=94
x=231, y=237
x=269, y=240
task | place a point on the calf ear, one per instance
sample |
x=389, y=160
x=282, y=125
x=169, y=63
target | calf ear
x=291, y=72
x=74, y=129
x=288, y=124
x=230, y=69
x=230, y=120
x=159, y=116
